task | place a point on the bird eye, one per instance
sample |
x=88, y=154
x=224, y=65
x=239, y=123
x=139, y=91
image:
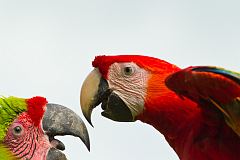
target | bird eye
x=17, y=130
x=128, y=71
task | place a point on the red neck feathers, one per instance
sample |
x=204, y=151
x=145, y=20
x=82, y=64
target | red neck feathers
x=36, y=108
x=165, y=110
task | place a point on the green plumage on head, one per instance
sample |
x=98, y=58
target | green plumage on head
x=5, y=154
x=10, y=108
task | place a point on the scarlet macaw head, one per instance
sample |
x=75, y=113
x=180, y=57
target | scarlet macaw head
x=123, y=85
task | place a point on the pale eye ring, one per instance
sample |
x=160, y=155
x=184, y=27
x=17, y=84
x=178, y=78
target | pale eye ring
x=128, y=71
x=17, y=130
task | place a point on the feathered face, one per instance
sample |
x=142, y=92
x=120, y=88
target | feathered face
x=122, y=84
x=27, y=141
x=31, y=134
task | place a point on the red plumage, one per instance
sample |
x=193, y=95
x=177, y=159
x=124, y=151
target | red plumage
x=150, y=63
x=209, y=84
x=185, y=114
x=36, y=108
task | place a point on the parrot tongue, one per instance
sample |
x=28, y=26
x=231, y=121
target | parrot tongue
x=55, y=153
x=57, y=143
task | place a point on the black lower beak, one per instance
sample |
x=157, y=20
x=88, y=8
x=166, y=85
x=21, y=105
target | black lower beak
x=55, y=154
x=115, y=109
x=60, y=121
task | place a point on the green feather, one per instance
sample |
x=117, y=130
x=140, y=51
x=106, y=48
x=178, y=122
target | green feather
x=10, y=108
x=5, y=154
x=233, y=115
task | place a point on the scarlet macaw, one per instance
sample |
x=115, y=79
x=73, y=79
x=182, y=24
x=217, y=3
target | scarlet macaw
x=28, y=128
x=197, y=109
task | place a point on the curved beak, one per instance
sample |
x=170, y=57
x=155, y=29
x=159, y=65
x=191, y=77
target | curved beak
x=60, y=121
x=95, y=90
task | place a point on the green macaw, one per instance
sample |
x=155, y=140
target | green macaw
x=28, y=127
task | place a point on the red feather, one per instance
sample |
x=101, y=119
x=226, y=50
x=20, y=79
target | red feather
x=36, y=108
x=197, y=85
x=149, y=63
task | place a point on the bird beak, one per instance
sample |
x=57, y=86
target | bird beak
x=59, y=121
x=95, y=90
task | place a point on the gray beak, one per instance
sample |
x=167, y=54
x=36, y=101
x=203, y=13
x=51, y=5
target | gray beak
x=60, y=121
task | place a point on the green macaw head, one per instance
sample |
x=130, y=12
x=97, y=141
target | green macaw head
x=28, y=127
x=10, y=108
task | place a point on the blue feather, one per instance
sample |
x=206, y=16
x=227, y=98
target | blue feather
x=226, y=73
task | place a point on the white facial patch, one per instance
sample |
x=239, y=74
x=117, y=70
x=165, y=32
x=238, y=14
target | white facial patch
x=129, y=82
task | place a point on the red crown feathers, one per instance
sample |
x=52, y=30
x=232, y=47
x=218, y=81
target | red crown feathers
x=153, y=64
x=36, y=108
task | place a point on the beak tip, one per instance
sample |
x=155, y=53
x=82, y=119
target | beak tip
x=87, y=143
x=89, y=121
x=85, y=139
x=87, y=116
x=88, y=147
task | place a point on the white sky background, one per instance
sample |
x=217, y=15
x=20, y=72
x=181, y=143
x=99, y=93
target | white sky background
x=46, y=48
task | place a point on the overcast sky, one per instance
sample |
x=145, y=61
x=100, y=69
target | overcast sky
x=46, y=48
